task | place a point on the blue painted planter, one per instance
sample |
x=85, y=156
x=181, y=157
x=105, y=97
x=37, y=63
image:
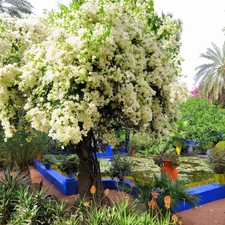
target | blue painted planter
x=108, y=153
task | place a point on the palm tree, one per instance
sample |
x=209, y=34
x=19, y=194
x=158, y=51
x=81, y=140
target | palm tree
x=15, y=7
x=210, y=78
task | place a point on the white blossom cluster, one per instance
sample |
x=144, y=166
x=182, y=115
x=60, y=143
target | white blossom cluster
x=179, y=92
x=16, y=37
x=93, y=66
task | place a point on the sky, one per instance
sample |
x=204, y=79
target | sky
x=203, y=21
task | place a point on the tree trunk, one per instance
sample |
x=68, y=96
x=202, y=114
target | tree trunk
x=89, y=171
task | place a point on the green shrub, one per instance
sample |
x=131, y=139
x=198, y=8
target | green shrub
x=69, y=164
x=20, y=204
x=120, y=167
x=220, y=144
x=10, y=184
x=205, y=121
x=49, y=160
x=22, y=148
x=216, y=158
x=174, y=189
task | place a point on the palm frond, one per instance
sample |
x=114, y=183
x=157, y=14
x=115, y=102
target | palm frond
x=15, y=7
x=210, y=77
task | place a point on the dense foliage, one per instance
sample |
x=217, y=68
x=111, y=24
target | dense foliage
x=21, y=203
x=205, y=121
x=21, y=149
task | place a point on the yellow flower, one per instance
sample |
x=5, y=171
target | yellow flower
x=93, y=189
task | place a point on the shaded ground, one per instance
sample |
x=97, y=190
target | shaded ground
x=207, y=214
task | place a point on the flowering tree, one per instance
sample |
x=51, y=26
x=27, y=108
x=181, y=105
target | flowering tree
x=87, y=68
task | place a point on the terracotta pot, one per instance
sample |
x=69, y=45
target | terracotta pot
x=169, y=169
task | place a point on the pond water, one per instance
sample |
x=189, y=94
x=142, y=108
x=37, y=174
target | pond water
x=193, y=170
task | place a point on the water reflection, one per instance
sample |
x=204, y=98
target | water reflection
x=192, y=169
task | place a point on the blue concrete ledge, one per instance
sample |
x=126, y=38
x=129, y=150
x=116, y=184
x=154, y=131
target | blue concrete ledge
x=66, y=186
x=206, y=193
x=69, y=186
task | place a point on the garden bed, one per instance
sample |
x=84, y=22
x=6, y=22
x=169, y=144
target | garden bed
x=68, y=186
x=207, y=192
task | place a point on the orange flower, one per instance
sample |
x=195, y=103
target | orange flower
x=12, y=174
x=93, y=189
x=117, y=180
x=132, y=184
x=106, y=191
x=86, y=204
x=167, y=201
x=152, y=204
x=174, y=218
x=154, y=194
x=167, y=204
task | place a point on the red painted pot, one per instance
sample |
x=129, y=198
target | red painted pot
x=133, y=153
x=169, y=169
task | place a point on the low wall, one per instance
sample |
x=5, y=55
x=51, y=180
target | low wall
x=206, y=193
x=68, y=186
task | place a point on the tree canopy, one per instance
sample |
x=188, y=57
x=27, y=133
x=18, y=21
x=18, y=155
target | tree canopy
x=99, y=64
